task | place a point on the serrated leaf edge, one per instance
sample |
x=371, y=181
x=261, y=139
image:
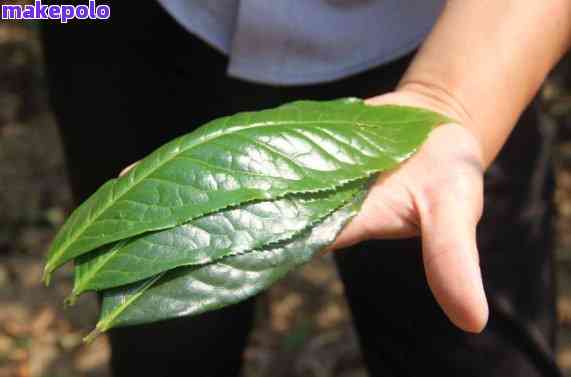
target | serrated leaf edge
x=78, y=290
x=104, y=325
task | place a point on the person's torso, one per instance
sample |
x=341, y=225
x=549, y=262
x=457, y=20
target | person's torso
x=306, y=41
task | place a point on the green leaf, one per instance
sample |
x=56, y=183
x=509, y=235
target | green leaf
x=300, y=147
x=206, y=239
x=192, y=290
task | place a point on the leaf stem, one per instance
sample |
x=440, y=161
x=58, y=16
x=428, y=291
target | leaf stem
x=47, y=275
x=92, y=335
x=70, y=300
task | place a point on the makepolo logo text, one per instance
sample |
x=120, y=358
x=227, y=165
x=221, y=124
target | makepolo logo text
x=63, y=13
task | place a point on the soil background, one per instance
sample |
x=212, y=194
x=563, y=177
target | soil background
x=303, y=327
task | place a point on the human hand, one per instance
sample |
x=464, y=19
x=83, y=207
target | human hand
x=437, y=194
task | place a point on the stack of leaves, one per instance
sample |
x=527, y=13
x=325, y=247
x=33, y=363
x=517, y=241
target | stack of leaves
x=217, y=215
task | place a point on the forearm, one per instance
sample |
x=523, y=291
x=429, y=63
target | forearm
x=486, y=59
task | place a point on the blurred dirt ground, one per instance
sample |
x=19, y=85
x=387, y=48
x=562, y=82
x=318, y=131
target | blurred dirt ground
x=303, y=327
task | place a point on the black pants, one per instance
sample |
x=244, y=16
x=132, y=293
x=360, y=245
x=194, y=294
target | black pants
x=121, y=88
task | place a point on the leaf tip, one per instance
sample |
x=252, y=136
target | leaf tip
x=447, y=120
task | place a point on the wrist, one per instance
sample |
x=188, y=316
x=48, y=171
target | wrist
x=439, y=98
x=436, y=97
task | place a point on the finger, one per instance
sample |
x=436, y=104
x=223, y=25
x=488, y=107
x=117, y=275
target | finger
x=351, y=234
x=387, y=213
x=451, y=258
x=374, y=222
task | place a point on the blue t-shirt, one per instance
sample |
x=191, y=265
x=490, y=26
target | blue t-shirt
x=292, y=42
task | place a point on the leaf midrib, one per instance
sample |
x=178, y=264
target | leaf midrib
x=86, y=278
x=104, y=324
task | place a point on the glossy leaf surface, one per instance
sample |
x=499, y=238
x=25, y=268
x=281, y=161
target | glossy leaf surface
x=192, y=290
x=206, y=239
x=300, y=147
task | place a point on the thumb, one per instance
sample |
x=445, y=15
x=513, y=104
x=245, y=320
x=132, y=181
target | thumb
x=451, y=258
